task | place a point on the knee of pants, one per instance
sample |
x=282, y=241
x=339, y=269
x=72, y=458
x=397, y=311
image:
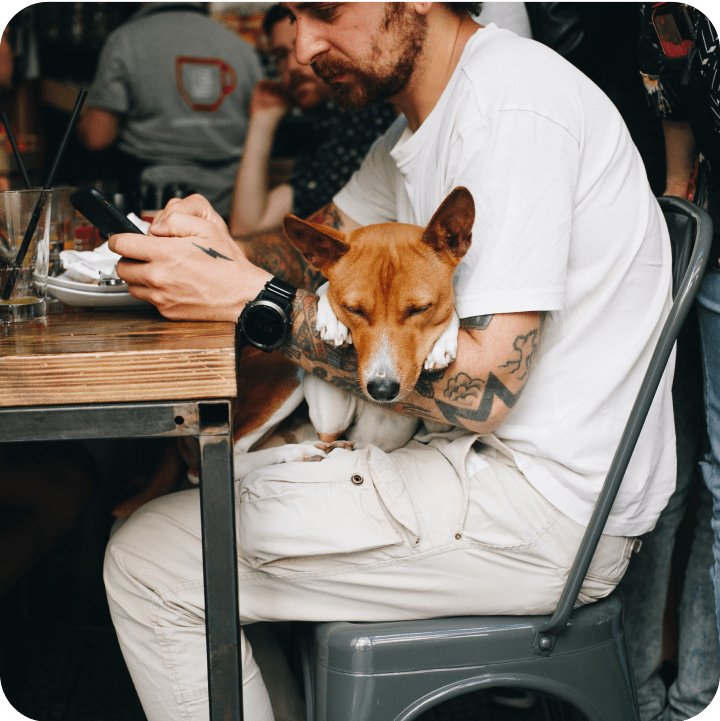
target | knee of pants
x=159, y=547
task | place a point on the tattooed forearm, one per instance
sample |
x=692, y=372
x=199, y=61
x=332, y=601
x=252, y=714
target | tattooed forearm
x=471, y=399
x=305, y=341
x=463, y=394
x=477, y=322
x=337, y=366
x=274, y=253
x=328, y=215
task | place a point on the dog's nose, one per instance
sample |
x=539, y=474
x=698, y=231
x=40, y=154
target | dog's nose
x=383, y=389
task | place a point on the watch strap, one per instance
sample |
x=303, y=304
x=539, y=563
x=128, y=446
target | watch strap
x=278, y=291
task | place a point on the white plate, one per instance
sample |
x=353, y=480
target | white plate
x=94, y=298
x=64, y=283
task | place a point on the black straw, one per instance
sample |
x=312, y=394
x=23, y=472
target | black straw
x=16, y=151
x=32, y=225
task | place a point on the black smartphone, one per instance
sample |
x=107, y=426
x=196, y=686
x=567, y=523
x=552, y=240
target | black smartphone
x=102, y=213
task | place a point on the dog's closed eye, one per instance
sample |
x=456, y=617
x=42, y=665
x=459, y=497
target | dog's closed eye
x=417, y=310
x=356, y=311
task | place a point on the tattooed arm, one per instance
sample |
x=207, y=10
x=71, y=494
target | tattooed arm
x=477, y=392
x=273, y=252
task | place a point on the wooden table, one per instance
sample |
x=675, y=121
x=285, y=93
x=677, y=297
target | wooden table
x=129, y=375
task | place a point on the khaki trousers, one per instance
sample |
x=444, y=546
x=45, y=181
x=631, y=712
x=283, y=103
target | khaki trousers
x=360, y=536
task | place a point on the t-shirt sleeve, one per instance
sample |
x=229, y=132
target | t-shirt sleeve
x=369, y=196
x=521, y=169
x=253, y=67
x=110, y=89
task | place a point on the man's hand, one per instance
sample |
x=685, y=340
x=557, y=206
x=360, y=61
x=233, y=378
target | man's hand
x=269, y=101
x=188, y=265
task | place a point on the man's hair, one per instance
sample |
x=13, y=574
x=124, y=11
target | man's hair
x=274, y=15
x=462, y=8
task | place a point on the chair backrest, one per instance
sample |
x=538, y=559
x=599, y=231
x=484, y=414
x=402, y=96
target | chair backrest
x=691, y=236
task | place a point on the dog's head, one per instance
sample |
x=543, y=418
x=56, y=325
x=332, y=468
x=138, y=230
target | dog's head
x=391, y=285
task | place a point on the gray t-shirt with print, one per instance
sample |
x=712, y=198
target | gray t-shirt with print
x=182, y=83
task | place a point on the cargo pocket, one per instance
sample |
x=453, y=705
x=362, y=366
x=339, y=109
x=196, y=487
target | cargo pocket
x=295, y=512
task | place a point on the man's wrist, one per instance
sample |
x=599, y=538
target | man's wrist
x=267, y=119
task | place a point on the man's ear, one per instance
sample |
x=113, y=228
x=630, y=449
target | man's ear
x=320, y=245
x=450, y=229
x=422, y=8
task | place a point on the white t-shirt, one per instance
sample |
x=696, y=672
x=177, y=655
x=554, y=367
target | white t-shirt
x=565, y=223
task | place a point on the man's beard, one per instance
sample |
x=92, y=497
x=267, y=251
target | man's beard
x=366, y=86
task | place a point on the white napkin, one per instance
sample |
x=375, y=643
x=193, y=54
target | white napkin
x=88, y=266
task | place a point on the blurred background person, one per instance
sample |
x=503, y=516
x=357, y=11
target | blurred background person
x=685, y=93
x=339, y=139
x=509, y=15
x=173, y=88
x=6, y=72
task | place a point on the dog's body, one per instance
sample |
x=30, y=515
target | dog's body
x=390, y=293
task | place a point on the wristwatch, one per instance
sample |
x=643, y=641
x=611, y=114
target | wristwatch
x=265, y=321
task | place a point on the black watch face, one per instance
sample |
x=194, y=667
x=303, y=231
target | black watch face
x=264, y=325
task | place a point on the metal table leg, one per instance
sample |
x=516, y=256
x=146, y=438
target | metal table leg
x=210, y=422
x=217, y=503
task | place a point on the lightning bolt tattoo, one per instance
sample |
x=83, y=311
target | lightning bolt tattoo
x=212, y=253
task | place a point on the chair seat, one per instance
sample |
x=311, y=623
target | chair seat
x=397, y=670
x=407, y=646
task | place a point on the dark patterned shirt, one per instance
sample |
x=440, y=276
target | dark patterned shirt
x=343, y=139
x=669, y=82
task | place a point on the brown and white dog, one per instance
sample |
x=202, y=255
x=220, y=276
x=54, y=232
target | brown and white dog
x=390, y=294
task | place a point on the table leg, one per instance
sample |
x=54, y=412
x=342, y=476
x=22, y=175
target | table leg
x=222, y=619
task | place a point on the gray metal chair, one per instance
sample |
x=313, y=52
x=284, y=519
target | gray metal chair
x=397, y=671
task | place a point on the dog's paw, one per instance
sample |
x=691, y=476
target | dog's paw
x=327, y=447
x=330, y=328
x=444, y=351
x=301, y=452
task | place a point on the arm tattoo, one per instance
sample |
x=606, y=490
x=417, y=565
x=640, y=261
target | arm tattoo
x=472, y=398
x=526, y=348
x=274, y=253
x=424, y=385
x=465, y=391
x=307, y=343
x=213, y=253
x=477, y=322
x=328, y=215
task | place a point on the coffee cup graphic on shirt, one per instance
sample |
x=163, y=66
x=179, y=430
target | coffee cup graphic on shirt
x=204, y=83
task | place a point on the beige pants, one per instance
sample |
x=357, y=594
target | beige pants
x=359, y=536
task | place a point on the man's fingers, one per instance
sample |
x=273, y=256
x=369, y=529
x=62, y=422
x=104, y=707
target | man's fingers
x=131, y=271
x=179, y=224
x=194, y=205
x=132, y=245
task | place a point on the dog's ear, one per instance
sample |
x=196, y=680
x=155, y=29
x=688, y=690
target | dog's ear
x=320, y=245
x=451, y=227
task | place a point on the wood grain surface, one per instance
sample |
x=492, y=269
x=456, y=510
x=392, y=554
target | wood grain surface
x=111, y=356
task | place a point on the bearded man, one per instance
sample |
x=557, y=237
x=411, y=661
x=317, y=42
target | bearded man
x=562, y=296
